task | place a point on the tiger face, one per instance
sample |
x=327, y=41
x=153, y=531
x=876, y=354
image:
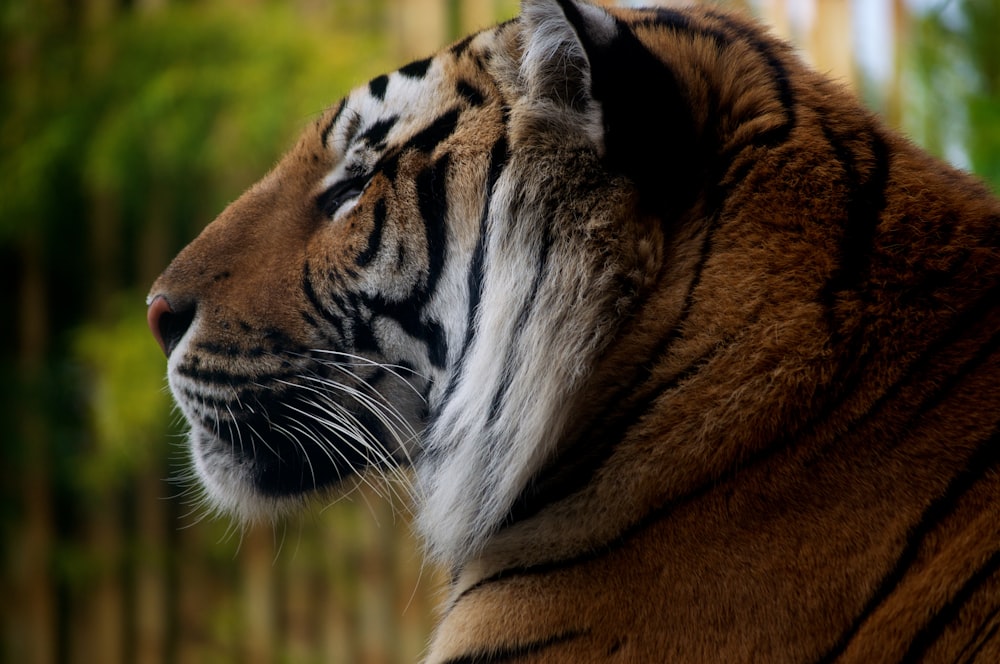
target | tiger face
x=387, y=294
x=309, y=328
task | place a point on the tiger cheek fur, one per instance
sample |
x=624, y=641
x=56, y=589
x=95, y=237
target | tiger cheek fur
x=692, y=359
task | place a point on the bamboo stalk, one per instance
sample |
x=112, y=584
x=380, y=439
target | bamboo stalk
x=258, y=632
x=151, y=600
x=900, y=36
x=99, y=606
x=419, y=26
x=31, y=630
x=830, y=40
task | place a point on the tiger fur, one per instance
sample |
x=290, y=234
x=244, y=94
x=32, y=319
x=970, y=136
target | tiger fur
x=692, y=359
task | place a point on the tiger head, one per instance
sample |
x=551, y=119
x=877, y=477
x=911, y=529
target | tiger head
x=425, y=280
x=689, y=356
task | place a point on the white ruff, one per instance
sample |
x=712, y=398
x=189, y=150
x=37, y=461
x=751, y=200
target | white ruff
x=476, y=466
x=482, y=450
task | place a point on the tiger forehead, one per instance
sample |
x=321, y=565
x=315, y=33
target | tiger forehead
x=400, y=103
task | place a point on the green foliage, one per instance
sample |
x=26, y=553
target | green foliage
x=956, y=61
x=163, y=101
x=126, y=394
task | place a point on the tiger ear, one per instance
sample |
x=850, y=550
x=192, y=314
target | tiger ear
x=589, y=75
x=560, y=37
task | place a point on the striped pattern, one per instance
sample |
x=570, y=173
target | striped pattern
x=692, y=359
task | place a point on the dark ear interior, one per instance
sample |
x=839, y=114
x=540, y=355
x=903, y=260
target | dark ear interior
x=648, y=131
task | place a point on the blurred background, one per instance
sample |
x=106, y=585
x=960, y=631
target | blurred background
x=125, y=127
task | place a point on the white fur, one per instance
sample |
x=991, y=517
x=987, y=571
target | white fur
x=474, y=469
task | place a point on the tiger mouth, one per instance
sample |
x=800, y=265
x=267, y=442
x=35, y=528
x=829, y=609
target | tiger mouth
x=293, y=438
x=296, y=446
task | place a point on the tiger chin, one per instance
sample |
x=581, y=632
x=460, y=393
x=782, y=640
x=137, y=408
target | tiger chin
x=689, y=358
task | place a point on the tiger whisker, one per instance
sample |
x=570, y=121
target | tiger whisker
x=348, y=435
x=358, y=360
x=401, y=430
x=352, y=432
x=388, y=415
x=387, y=464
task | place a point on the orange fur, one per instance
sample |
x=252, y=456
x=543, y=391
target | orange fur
x=787, y=446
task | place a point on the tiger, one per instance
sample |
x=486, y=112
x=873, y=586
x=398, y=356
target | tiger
x=684, y=355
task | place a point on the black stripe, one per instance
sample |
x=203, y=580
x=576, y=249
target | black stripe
x=375, y=237
x=980, y=639
x=850, y=373
x=416, y=69
x=388, y=165
x=229, y=350
x=363, y=336
x=408, y=313
x=920, y=295
x=232, y=350
x=353, y=127
x=325, y=135
x=945, y=387
x=779, y=76
x=681, y=21
x=340, y=304
x=513, y=653
x=436, y=132
x=990, y=637
x=224, y=406
x=498, y=160
x=215, y=377
x=920, y=369
x=432, y=201
x=437, y=346
x=865, y=206
x=459, y=48
x=376, y=134
x=308, y=319
x=313, y=299
x=932, y=631
x=982, y=461
x=470, y=93
x=237, y=400
x=378, y=85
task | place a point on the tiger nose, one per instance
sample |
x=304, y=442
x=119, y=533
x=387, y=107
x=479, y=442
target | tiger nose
x=167, y=325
